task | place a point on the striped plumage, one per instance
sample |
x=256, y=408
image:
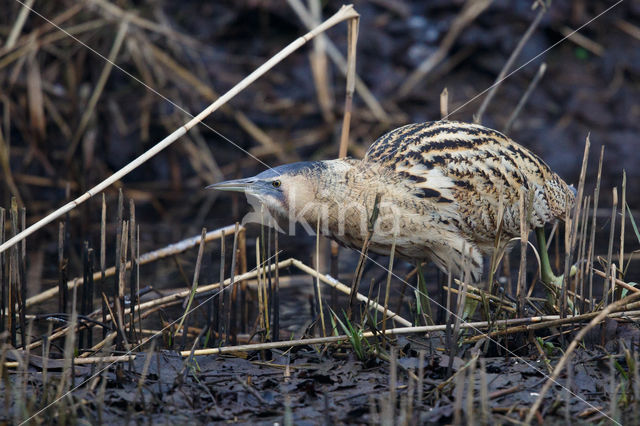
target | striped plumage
x=440, y=186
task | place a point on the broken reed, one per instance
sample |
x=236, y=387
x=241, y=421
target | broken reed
x=13, y=286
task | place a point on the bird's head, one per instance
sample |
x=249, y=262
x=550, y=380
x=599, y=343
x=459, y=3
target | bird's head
x=283, y=190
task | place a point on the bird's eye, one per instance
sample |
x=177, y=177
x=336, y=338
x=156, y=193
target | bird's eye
x=276, y=183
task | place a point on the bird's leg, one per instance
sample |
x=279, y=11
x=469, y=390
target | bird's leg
x=547, y=275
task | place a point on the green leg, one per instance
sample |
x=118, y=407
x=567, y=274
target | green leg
x=548, y=277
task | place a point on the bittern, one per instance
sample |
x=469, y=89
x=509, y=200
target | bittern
x=438, y=190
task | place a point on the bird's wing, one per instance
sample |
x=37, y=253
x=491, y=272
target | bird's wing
x=477, y=169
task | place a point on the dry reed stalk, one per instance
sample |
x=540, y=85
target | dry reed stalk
x=181, y=74
x=118, y=245
x=471, y=387
x=582, y=41
x=623, y=210
x=357, y=276
x=261, y=313
x=339, y=338
x=194, y=285
x=178, y=296
x=317, y=275
x=101, y=344
x=103, y=261
x=444, y=104
x=483, y=295
x=14, y=280
x=119, y=14
x=106, y=359
x=459, y=380
x=32, y=45
x=555, y=321
x=22, y=271
x=525, y=97
x=242, y=261
x=69, y=346
x=347, y=290
x=351, y=74
x=495, y=256
x=388, y=288
x=628, y=28
x=522, y=269
x=596, y=197
x=512, y=58
x=143, y=376
x=617, y=281
x=460, y=373
x=345, y=13
x=100, y=84
x=265, y=286
x=470, y=11
x=37, y=120
x=219, y=316
x=421, y=355
x=461, y=301
x=232, y=312
x=320, y=69
x=556, y=371
x=137, y=278
x=334, y=54
x=579, y=282
x=484, y=396
x=5, y=140
x=448, y=338
x=152, y=256
x=575, y=217
x=55, y=115
x=5, y=145
x=62, y=289
x=407, y=407
x=393, y=381
x=276, y=291
x=25, y=39
x=133, y=282
x=331, y=339
x=608, y=285
x=119, y=298
x=118, y=323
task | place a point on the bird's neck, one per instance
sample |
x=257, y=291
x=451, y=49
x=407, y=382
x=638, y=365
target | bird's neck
x=347, y=181
x=344, y=196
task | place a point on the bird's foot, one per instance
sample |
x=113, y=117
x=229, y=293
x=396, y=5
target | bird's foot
x=554, y=287
x=550, y=278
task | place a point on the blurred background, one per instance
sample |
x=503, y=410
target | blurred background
x=69, y=119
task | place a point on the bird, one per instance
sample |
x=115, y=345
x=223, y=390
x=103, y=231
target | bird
x=439, y=191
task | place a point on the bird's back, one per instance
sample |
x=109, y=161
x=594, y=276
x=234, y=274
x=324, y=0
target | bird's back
x=467, y=171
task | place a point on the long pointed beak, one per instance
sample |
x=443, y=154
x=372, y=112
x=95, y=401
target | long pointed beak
x=237, y=185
